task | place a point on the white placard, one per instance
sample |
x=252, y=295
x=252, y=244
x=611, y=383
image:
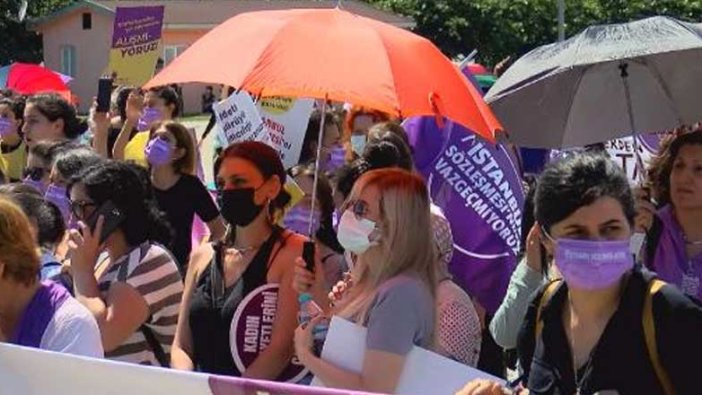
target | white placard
x=424, y=372
x=286, y=121
x=238, y=119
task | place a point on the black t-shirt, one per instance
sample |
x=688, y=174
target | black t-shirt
x=180, y=203
x=620, y=361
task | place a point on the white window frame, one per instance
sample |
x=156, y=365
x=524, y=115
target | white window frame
x=171, y=52
x=68, y=60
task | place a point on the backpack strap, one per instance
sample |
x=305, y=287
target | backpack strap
x=550, y=289
x=652, y=237
x=649, y=327
x=155, y=346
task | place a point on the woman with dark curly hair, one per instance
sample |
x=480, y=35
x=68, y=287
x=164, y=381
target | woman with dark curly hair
x=674, y=242
x=135, y=291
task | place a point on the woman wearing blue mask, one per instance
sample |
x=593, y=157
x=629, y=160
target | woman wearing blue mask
x=386, y=225
x=607, y=325
x=171, y=154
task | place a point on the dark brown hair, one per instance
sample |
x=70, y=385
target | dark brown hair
x=662, y=165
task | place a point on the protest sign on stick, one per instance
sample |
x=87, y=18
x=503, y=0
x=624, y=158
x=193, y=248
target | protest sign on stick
x=286, y=122
x=238, y=119
x=136, y=40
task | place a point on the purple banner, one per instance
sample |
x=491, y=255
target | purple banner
x=137, y=25
x=252, y=329
x=479, y=188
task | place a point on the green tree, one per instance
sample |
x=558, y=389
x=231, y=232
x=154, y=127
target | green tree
x=498, y=28
x=18, y=43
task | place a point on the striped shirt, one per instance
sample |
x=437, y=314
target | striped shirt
x=150, y=270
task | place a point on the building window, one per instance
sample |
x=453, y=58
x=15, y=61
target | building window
x=87, y=21
x=170, y=52
x=68, y=60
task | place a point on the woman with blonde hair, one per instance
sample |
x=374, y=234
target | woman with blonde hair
x=34, y=313
x=171, y=154
x=393, y=275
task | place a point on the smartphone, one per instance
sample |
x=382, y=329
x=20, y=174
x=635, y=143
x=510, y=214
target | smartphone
x=113, y=218
x=104, y=94
x=308, y=255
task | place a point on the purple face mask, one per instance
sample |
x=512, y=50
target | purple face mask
x=149, y=116
x=38, y=185
x=5, y=127
x=298, y=220
x=57, y=195
x=593, y=265
x=337, y=158
x=158, y=152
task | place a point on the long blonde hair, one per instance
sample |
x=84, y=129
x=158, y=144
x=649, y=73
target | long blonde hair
x=406, y=243
x=18, y=249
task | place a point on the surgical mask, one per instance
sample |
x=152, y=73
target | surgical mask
x=238, y=206
x=57, y=195
x=358, y=143
x=158, y=152
x=298, y=220
x=5, y=127
x=593, y=264
x=355, y=233
x=149, y=116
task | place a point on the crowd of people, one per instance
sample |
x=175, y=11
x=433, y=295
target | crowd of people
x=111, y=246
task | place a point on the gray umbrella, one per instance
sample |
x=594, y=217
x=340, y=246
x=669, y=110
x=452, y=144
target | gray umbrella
x=607, y=82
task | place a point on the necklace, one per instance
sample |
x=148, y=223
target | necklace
x=254, y=247
x=586, y=367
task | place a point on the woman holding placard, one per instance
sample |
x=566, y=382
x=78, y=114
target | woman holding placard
x=386, y=225
x=222, y=277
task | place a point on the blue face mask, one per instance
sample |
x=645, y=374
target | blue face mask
x=358, y=143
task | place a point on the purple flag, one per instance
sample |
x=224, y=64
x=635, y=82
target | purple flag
x=479, y=188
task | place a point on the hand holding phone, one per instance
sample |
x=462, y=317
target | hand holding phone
x=104, y=95
x=113, y=218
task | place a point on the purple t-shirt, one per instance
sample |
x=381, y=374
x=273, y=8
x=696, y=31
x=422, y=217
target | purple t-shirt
x=670, y=261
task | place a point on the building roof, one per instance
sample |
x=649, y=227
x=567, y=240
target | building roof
x=193, y=14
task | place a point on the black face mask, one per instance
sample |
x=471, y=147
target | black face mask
x=238, y=206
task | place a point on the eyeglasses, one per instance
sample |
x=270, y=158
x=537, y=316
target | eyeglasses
x=78, y=208
x=34, y=173
x=358, y=207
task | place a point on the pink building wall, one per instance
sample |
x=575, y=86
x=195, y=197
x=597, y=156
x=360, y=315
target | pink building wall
x=91, y=50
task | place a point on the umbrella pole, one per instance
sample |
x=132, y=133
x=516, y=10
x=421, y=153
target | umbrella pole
x=640, y=168
x=320, y=138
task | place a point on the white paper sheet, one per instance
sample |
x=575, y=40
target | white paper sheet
x=424, y=373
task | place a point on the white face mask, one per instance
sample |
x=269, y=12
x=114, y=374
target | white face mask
x=354, y=234
x=358, y=143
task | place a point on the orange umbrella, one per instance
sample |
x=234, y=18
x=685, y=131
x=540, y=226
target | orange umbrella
x=332, y=54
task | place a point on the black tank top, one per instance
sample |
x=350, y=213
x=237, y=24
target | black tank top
x=213, y=305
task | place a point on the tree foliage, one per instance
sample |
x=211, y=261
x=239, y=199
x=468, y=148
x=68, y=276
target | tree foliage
x=499, y=28
x=18, y=43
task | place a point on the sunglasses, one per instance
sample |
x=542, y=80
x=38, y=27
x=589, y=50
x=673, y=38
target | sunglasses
x=358, y=207
x=34, y=173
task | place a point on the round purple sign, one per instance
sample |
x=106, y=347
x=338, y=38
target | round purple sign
x=252, y=329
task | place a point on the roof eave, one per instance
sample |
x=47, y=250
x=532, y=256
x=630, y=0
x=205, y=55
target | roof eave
x=35, y=24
